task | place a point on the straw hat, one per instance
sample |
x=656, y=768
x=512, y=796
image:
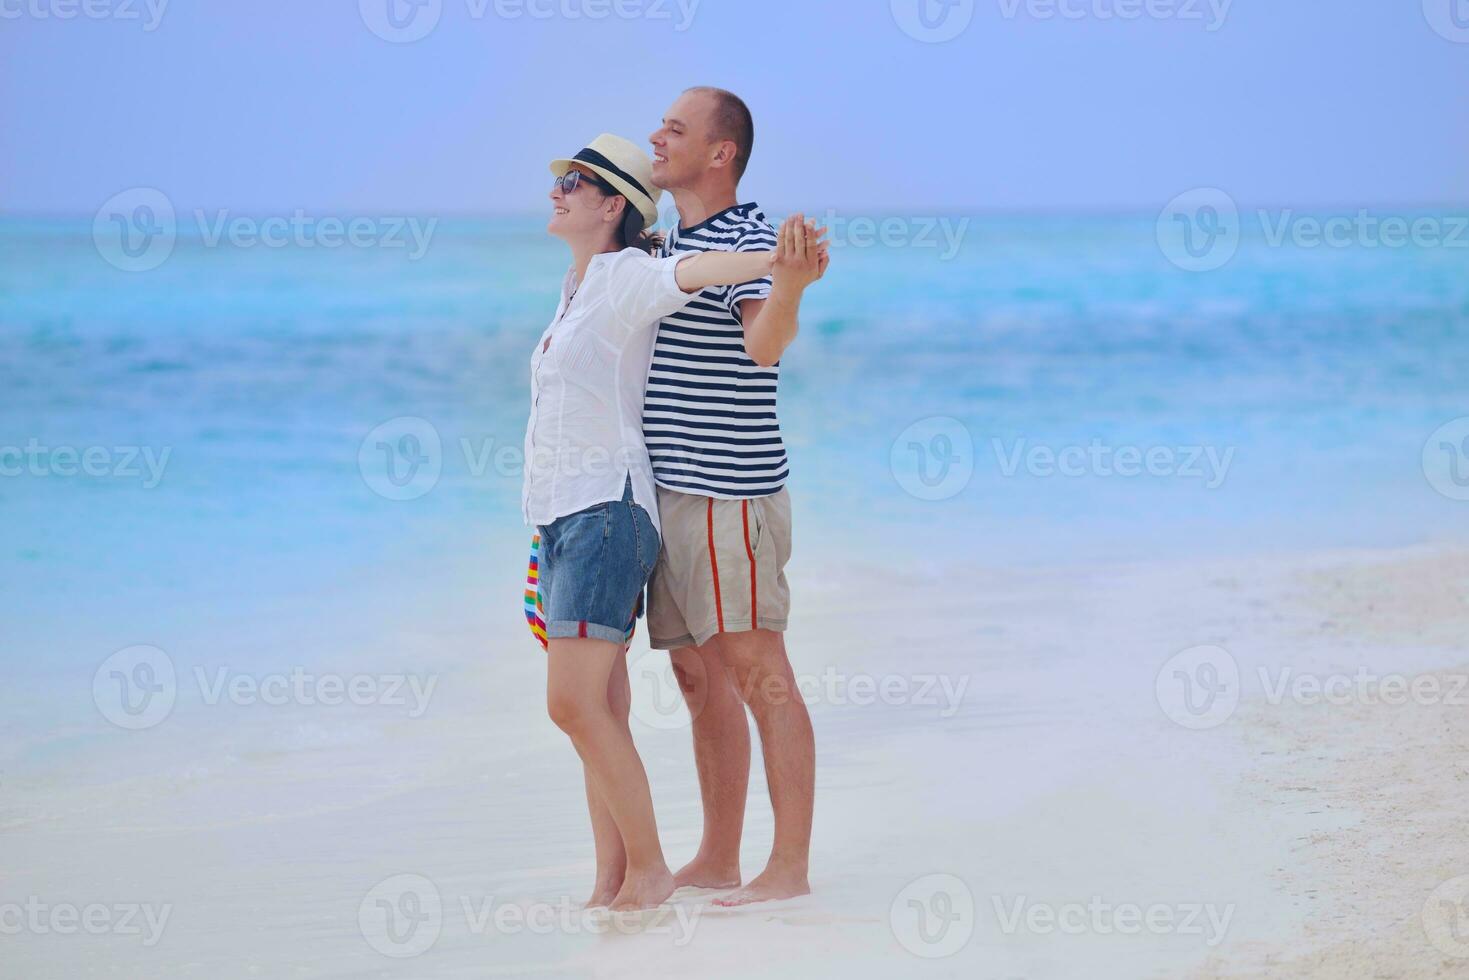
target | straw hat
x=623, y=164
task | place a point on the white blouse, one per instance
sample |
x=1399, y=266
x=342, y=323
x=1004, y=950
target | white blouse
x=588, y=373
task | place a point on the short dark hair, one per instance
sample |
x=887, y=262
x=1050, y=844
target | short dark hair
x=732, y=121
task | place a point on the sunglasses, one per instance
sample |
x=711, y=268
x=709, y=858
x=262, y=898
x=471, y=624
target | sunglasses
x=572, y=179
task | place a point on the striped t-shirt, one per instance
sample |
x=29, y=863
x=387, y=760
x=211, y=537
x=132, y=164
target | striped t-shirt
x=709, y=415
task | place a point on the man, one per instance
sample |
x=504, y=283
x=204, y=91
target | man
x=718, y=597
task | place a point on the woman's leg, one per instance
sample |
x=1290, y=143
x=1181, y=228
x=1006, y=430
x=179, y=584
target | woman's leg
x=611, y=855
x=576, y=696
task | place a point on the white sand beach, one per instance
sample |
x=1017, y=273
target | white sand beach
x=1125, y=429
x=1011, y=783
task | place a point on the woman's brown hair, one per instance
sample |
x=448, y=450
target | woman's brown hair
x=632, y=233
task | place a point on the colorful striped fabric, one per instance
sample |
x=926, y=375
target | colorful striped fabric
x=535, y=612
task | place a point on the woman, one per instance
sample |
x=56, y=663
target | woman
x=589, y=486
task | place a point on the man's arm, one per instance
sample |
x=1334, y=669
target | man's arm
x=801, y=258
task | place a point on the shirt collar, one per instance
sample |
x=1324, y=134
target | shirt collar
x=747, y=206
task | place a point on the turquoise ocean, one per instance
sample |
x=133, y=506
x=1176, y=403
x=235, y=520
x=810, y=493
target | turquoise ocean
x=931, y=404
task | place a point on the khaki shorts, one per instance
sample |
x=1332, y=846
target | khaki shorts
x=721, y=569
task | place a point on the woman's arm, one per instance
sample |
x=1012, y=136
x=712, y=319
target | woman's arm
x=722, y=269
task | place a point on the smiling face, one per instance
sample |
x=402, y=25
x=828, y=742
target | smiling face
x=685, y=147
x=588, y=211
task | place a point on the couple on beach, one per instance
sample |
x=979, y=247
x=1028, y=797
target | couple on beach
x=654, y=458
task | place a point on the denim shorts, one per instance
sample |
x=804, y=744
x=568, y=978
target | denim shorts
x=593, y=567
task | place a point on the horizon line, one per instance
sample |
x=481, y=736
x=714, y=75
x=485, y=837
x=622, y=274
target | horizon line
x=1097, y=211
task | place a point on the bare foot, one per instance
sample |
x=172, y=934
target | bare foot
x=768, y=886
x=644, y=890
x=702, y=873
x=603, y=892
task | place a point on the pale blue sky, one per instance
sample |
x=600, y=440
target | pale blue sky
x=274, y=105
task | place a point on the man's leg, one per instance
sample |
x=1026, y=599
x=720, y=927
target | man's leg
x=722, y=756
x=764, y=678
x=576, y=697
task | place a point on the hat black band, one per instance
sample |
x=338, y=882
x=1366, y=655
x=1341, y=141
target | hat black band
x=589, y=155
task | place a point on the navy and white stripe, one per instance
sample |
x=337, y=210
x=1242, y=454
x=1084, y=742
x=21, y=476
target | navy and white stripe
x=709, y=413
